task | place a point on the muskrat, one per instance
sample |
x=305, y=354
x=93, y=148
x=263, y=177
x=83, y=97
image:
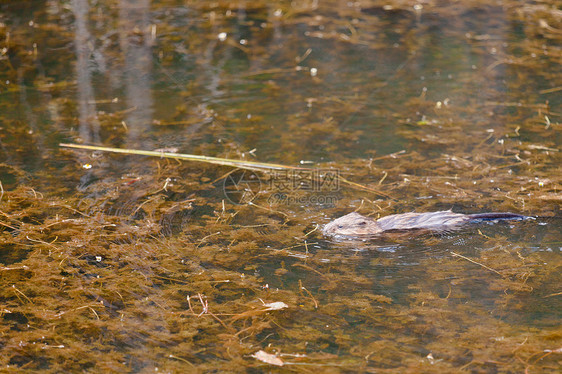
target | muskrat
x=356, y=225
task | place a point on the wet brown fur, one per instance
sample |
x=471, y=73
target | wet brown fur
x=356, y=225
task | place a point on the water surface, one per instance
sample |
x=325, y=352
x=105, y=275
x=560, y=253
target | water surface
x=124, y=263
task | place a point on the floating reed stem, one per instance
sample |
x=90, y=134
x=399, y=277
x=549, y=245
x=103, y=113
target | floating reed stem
x=242, y=164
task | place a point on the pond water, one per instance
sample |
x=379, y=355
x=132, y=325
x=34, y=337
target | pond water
x=130, y=263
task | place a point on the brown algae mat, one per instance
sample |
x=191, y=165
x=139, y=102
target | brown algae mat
x=128, y=263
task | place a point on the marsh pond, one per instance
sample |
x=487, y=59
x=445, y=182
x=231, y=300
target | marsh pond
x=244, y=128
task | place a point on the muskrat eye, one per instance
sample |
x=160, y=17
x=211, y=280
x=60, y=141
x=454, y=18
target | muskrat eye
x=362, y=223
x=340, y=226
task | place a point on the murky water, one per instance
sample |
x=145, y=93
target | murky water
x=128, y=263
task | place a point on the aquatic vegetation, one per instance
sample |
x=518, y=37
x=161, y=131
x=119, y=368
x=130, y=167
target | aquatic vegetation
x=128, y=263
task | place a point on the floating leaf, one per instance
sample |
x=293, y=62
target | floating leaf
x=268, y=358
x=276, y=305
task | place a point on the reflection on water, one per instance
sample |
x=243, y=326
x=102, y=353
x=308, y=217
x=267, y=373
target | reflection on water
x=83, y=43
x=136, y=37
x=121, y=263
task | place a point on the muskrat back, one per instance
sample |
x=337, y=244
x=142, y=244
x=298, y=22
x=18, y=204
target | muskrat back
x=356, y=225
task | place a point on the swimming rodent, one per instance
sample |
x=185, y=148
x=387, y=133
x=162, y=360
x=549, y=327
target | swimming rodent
x=356, y=225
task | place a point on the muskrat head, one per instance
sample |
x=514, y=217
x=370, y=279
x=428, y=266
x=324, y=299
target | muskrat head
x=352, y=224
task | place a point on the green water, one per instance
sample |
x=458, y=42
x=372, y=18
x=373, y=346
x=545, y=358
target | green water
x=124, y=263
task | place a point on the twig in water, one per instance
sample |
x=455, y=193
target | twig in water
x=309, y=294
x=250, y=165
x=242, y=164
x=205, y=310
x=477, y=263
x=205, y=304
x=181, y=359
x=208, y=236
x=8, y=226
x=311, y=231
x=21, y=293
x=23, y=267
